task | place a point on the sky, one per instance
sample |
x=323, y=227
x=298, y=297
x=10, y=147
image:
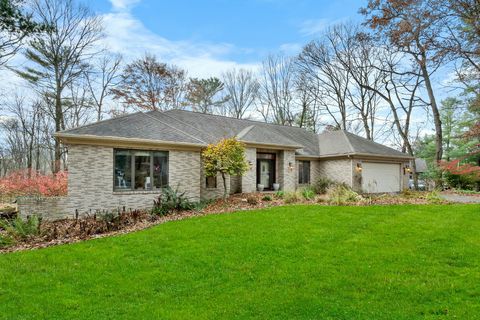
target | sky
x=208, y=37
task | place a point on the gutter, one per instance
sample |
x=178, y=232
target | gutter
x=78, y=138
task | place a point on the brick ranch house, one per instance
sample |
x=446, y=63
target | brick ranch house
x=124, y=161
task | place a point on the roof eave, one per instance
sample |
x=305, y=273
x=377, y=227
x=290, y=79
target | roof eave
x=112, y=140
x=372, y=155
x=271, y=145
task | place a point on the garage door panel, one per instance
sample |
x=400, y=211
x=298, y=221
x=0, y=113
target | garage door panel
x=380, y=177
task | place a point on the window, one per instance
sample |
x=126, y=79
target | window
x=140, y=170
x=211, y=182
x=304, y=172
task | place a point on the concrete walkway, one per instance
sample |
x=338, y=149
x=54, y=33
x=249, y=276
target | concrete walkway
x=453, y=197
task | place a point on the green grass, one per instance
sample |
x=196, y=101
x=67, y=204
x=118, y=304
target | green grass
x=297, y=262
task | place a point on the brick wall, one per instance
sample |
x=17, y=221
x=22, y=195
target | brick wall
x=287, y=176
x=90, y=184
x=249, y=179
x=339, y=170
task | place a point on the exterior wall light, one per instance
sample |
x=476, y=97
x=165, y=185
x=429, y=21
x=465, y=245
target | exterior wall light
x=406, y=169
x=290, y=166
x=358, y=168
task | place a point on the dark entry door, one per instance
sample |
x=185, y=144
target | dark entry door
x=266, y=172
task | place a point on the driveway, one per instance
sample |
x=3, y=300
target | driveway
x=454, y=197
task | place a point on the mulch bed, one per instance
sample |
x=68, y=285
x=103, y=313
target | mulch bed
x=93, y=227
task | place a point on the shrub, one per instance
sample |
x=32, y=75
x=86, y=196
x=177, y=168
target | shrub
x=22, y=229
x=171, y=199
x=5, y=241
x=434, y=197
x=341, y=194
x=291, y=197
x=21, y=183
x=308, y=193
x=322, y=184
x=280, y=194
x=202, y=204
x=252, y=200
x=267, y=198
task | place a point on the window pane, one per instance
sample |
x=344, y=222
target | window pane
x=123, y=170
x=300, y=172
x=306, y=171
x=211, y=182
x=160, y=169
x=303, y=172
x=142, y=171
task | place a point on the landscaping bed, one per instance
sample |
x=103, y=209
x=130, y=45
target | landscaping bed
x=16, y=235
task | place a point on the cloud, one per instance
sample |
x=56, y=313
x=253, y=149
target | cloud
x=127, y=35
x=292, y=48
x=123, y=5
x=316, y=26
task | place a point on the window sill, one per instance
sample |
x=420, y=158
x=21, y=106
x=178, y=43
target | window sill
x=129, y=192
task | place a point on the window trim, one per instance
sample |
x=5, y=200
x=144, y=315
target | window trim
x=301, y=174
x=132, y=172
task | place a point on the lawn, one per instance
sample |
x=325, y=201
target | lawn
x=296, y=262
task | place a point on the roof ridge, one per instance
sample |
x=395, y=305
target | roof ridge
x=102, y=121
x=186, y=124
x=371, y=141
x=352, y=149
x=247, y=120
x=244, y=131
x=185, y=133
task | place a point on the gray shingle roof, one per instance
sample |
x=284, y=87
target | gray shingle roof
x=198, y=128
x=341, y=142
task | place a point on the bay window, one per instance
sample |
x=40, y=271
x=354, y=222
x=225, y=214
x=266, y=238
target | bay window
x=140, y=170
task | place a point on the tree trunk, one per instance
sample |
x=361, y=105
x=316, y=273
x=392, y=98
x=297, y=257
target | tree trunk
x=435, y=112
x=224, y=178
x=58, y=127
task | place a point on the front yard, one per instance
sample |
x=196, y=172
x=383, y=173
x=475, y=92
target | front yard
x=304, y=262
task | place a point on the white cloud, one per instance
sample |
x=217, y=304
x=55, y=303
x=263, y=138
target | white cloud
x=128, y=36
x=292, y=48
x=316, y=26
x=121, y=5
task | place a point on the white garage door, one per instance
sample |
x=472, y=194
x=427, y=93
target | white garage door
x=380, y=177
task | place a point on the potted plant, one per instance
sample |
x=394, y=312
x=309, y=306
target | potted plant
x=276, y=186
x=260, y=187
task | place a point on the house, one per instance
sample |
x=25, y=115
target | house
x=124, y=161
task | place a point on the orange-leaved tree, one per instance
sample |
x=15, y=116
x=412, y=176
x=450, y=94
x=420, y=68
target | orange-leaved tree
x=225, y=157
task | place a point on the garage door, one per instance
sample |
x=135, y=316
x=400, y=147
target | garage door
x=380, y=177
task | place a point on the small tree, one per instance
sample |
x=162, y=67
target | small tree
x=225, y=157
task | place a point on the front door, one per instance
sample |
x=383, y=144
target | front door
x=266, y=172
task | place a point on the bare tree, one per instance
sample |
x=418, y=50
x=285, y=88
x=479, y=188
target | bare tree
x=357, y=52
x=319, y=63
x=149, y=84
x=276, y=90
x=60, y=56
x=415, y=29
x=101, y=78
x=21, y=130
x=205, y=95
x=243, y=88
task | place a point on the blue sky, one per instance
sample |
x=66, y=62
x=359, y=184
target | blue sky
x=208, y=36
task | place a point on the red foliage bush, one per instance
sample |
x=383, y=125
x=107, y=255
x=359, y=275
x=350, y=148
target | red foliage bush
x=19, y=183
x=454, y=167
